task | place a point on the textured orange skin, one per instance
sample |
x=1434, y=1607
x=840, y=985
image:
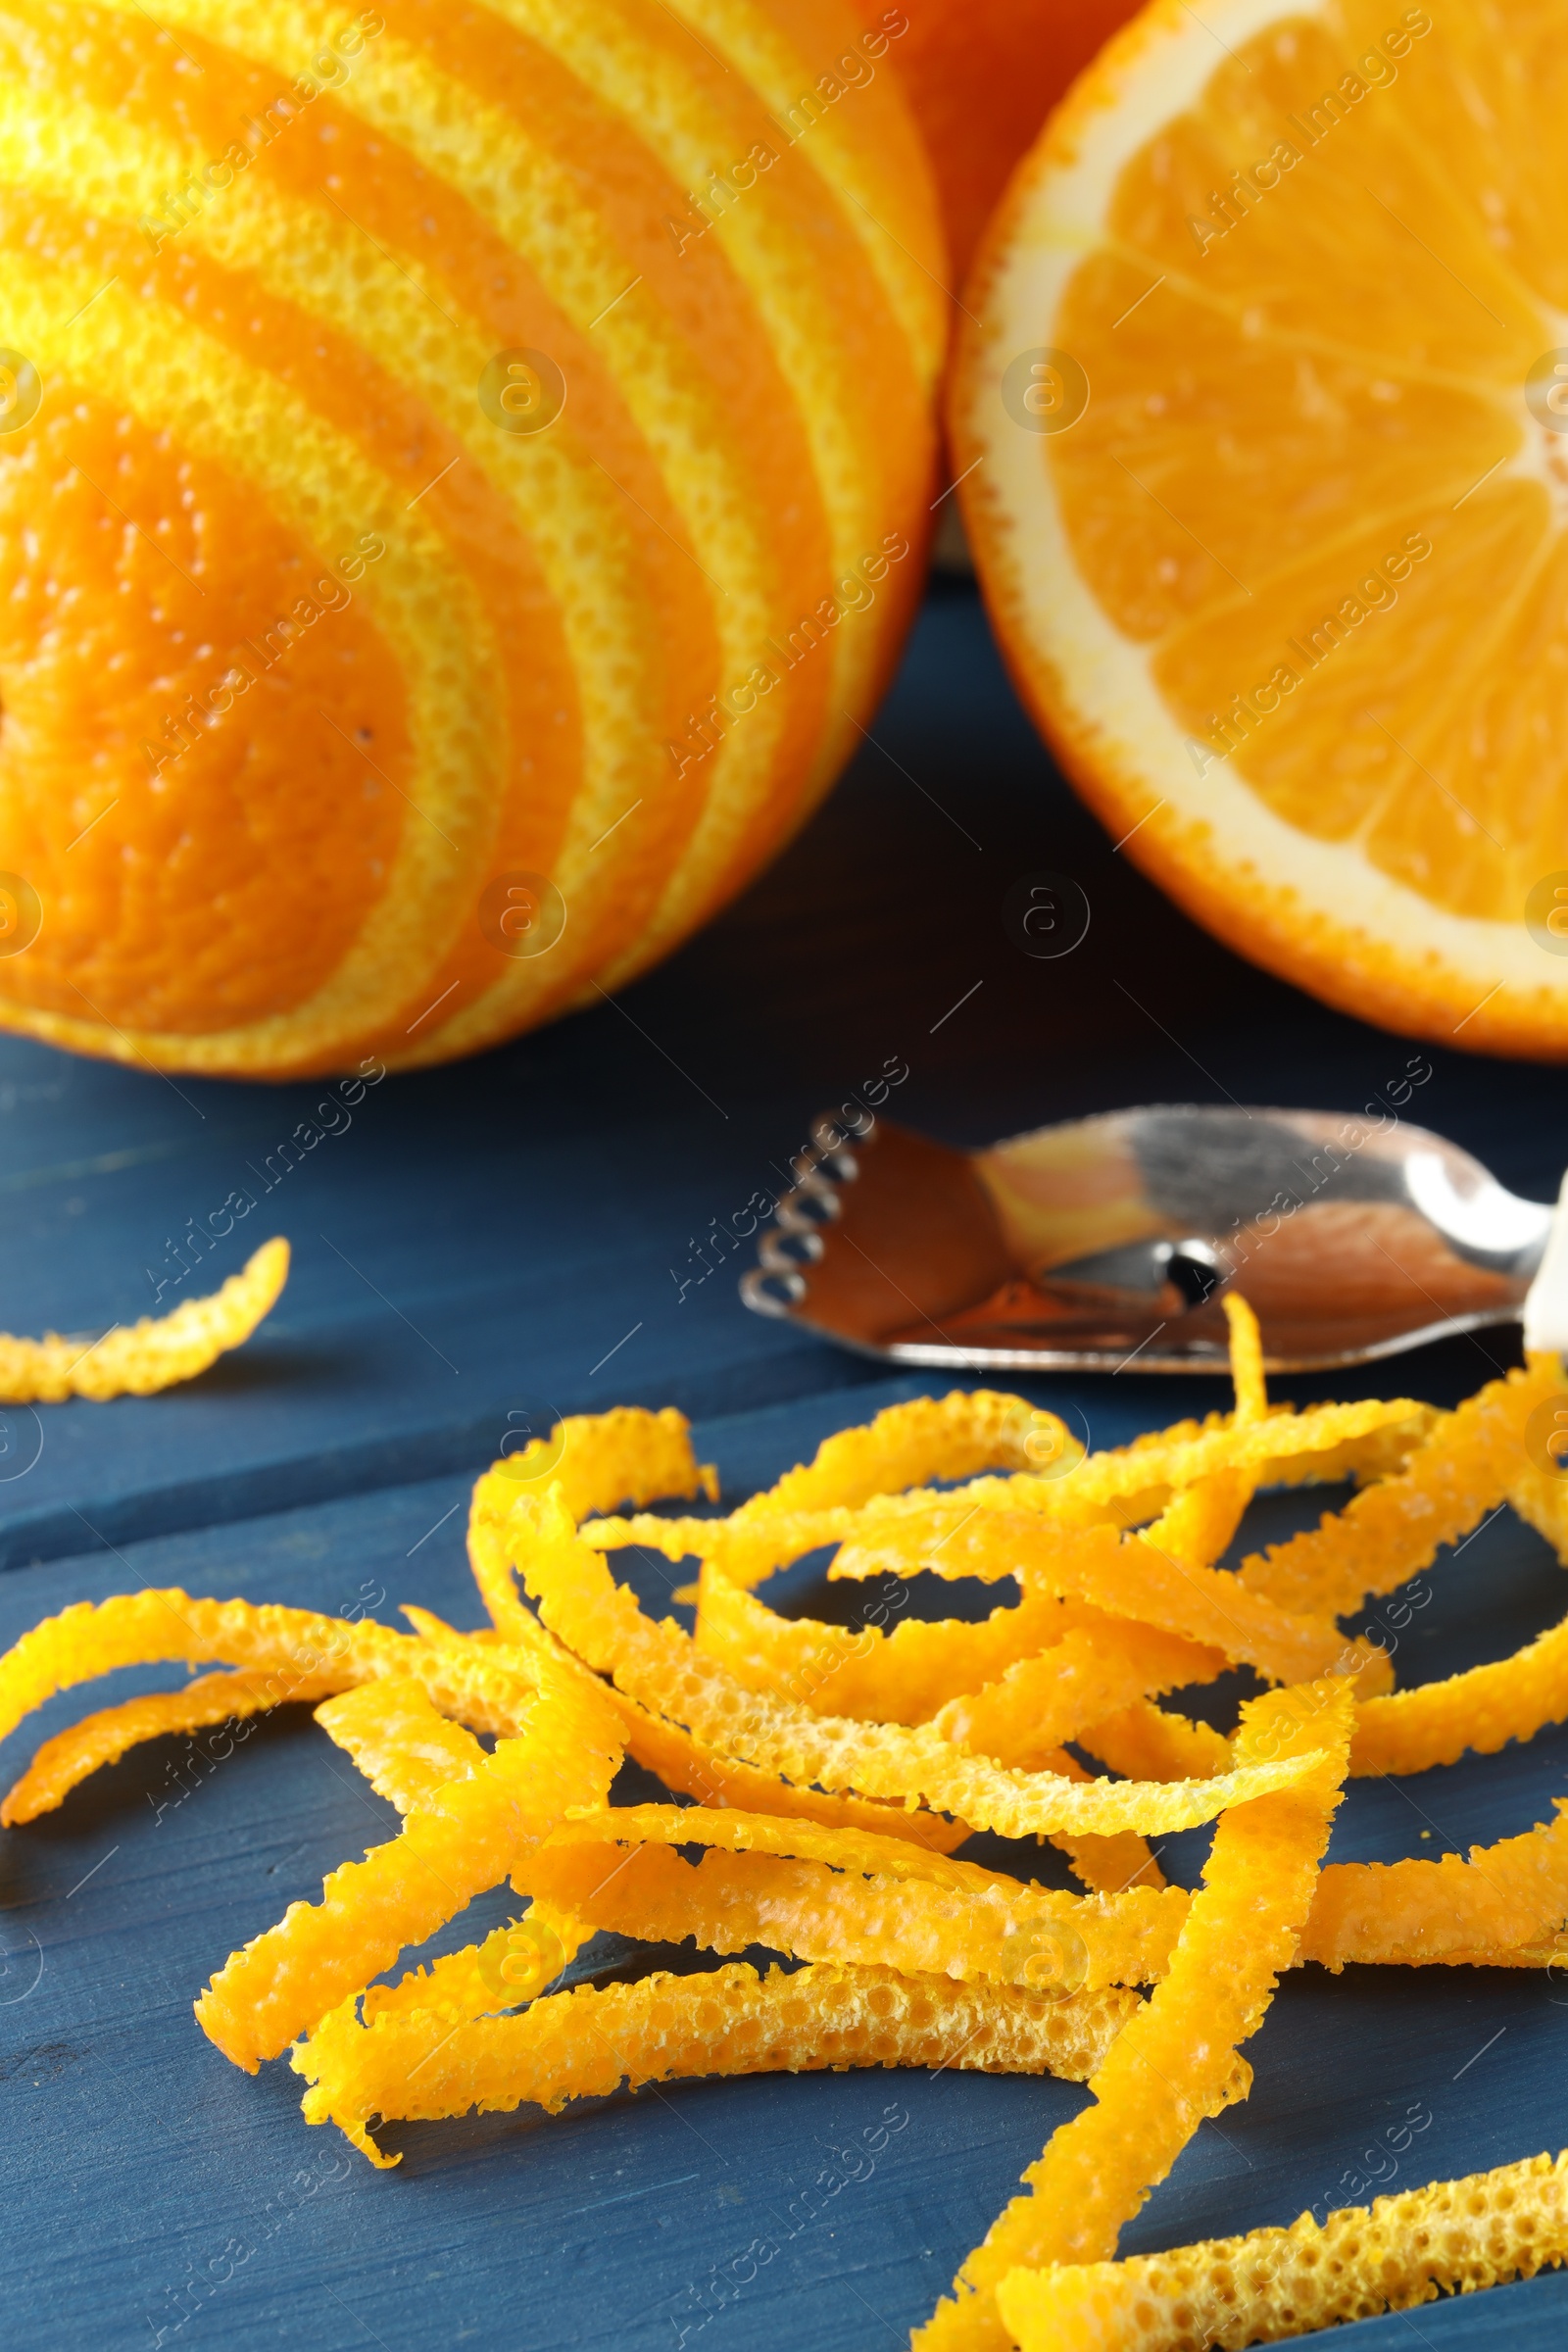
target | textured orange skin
x=588, y=2043
x=828, y=1897
x=154, y=1353
x=1174, y=2064
x=72, y=1755
x=1275, y=2284
x=1394, y=1528
x=981, y=76
x=227, y=886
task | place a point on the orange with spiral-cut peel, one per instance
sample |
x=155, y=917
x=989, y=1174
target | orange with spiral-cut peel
x=463, y=477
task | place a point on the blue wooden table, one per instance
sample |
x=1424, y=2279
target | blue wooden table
x=554, y=1229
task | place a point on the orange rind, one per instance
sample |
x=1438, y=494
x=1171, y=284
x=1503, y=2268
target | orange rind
x=835, y=1777
x=1273, y=2285
x=156, y=1352
x=589, y=2042
x=1174, y=2063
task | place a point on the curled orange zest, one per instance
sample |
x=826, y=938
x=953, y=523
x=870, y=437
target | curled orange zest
x=1482, y=1708
x=157, y=1352
x=898, y=1677
x=103, y=1738
x=1392, y=1529
x=658, y=1665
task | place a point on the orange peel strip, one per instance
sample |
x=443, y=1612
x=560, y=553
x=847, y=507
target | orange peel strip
x=657, y=1664
x=1247, y=1359
x=593, y=2041
x=1125, y=1576
x=628, y=1454
x=406, y=1748
x=1540, y=1499
x=488, y=1690
x=909, y=1445
x=1482, y=1708
x=1511, y=1896
x=156, y=1352
x=1146, y=1743
x=1394, y=1527
x=513, y=1965
x=1093, y=1672
x=68, y=1759
x=451, y=1849
x=1171, y=2067
x=822, y=1895
x=686, y=1764
x=900, y=1676
x=157, y=1627
x=1274, y=2284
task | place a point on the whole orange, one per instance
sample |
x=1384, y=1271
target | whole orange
x=463, y=473
x=981, y=76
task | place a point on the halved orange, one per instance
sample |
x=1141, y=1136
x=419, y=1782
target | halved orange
x=1264, y=415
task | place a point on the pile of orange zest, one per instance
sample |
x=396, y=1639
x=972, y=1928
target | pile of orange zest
x=835, y=1773
x=1284, y=1449
x=818, y=1895
x=158, y=1352
x=1130, y=1576
x=72, y=1755
x=900, y=1676
x=1093, y=1672
x=1394, y=1528
x=601, y=1621
x=1394, y=2255
x=728, y=2021
x=461, y=1840
x=1170, y=2068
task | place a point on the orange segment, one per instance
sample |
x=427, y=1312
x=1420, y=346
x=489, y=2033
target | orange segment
x=1274, y=532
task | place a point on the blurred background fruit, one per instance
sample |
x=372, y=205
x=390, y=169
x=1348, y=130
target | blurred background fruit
x=982, y=76
x=1264, y=398
x=463, y=477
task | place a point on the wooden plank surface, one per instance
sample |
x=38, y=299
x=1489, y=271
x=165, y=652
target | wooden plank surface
x=469, y=1246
